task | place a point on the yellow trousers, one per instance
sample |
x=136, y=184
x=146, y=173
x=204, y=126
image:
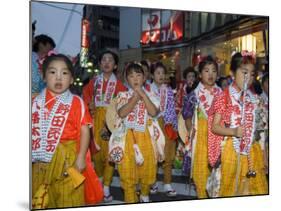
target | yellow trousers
x=61, y=190
x=246, y=186
x=169, y=152
x=103, y=167
x=201, y=170
x=130, y=173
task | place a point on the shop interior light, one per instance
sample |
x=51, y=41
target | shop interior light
x=96, y=70
x=80, y=84
x=77, y=79
x=75, y=83
x=249, y=43
x=89, y=70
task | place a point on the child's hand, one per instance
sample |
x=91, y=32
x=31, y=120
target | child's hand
x=238, y=132
x=140, y=91
x=80, y=163
x=91, y=108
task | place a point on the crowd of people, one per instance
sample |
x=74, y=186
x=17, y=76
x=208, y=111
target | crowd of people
x=75, y=149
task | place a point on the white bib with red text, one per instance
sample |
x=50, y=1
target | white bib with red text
x=47, y=126
x=103, y=100
x=205, y=97
x=250, y=104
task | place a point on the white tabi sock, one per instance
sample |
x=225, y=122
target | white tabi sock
x=106, y=190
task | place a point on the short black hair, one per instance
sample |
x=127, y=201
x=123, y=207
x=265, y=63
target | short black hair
x=189, y=70
x=57, y=57
x=154, y=66
x=114, y=55
x=237, y=60
x=44, y=39
x=221, y=79
x=133, y=67
x=207, y=61
x=144, y=63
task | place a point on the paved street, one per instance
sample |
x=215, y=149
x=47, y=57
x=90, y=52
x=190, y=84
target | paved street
x=179, y=182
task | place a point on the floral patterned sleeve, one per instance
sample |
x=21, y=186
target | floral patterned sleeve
x=189, y=103
x=122, y=99
x=214, y=141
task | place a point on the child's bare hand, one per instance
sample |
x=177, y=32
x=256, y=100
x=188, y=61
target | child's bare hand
x=238, y=132
x=80, y=163
x=91, y=108
x=140, y=91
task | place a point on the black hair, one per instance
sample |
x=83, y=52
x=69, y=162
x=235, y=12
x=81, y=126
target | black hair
x=207, y=61
x=133, y=67
x=114, y=55
x=157, y=65
x=237, y=60
x=265, y=77
x=144, y=63
x=221, y=79
x=58, y=57
x=189, y=70
x=44, y=39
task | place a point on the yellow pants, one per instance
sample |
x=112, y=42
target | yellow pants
x=169, y=151
x=201, y=170
x=246, y=186
x=130, y=173
x=61, y=191
x=103, y=167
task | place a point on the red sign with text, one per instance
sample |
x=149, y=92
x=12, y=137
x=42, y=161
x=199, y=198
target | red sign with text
x=161, y=26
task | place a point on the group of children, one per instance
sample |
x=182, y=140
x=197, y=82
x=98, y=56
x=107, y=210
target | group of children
x=221, y=132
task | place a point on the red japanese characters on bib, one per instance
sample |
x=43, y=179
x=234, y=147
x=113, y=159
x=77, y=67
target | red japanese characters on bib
x=47, y=126
x=250, y=104
x=103, y=100
x=205, y=97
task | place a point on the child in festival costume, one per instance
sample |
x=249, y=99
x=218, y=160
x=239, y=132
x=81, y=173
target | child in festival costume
x=168, y=122
x=137, y=142
x=232, y=121
x=189, y=83
x=97, y=94
x=60, y=139
x=195, y=114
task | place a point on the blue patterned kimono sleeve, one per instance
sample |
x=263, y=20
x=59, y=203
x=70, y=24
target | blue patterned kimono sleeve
x=170, y=116
x=189, y=103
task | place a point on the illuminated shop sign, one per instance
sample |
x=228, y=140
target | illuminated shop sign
x=161, y=26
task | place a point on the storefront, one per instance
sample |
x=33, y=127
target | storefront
x=219, y=35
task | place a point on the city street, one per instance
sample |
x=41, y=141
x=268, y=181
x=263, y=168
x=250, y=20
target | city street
x=179, y=182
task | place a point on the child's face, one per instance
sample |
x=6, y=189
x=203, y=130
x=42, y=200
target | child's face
x=190, y=78
x=241, y=72
x=209, y=75
x=135, y=79
x=58, y=77
x=159, y=75
x=107, y=63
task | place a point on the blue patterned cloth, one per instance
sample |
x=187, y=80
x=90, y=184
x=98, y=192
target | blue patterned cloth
x=37, y=84
x=189, y=103
x=170, y=116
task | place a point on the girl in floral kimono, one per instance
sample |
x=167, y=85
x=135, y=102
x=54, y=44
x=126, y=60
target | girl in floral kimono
x=195, y=113
x=137, y=140
x=60, y=139
x=232, y=121
x=168, y=122
x=98, y=94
